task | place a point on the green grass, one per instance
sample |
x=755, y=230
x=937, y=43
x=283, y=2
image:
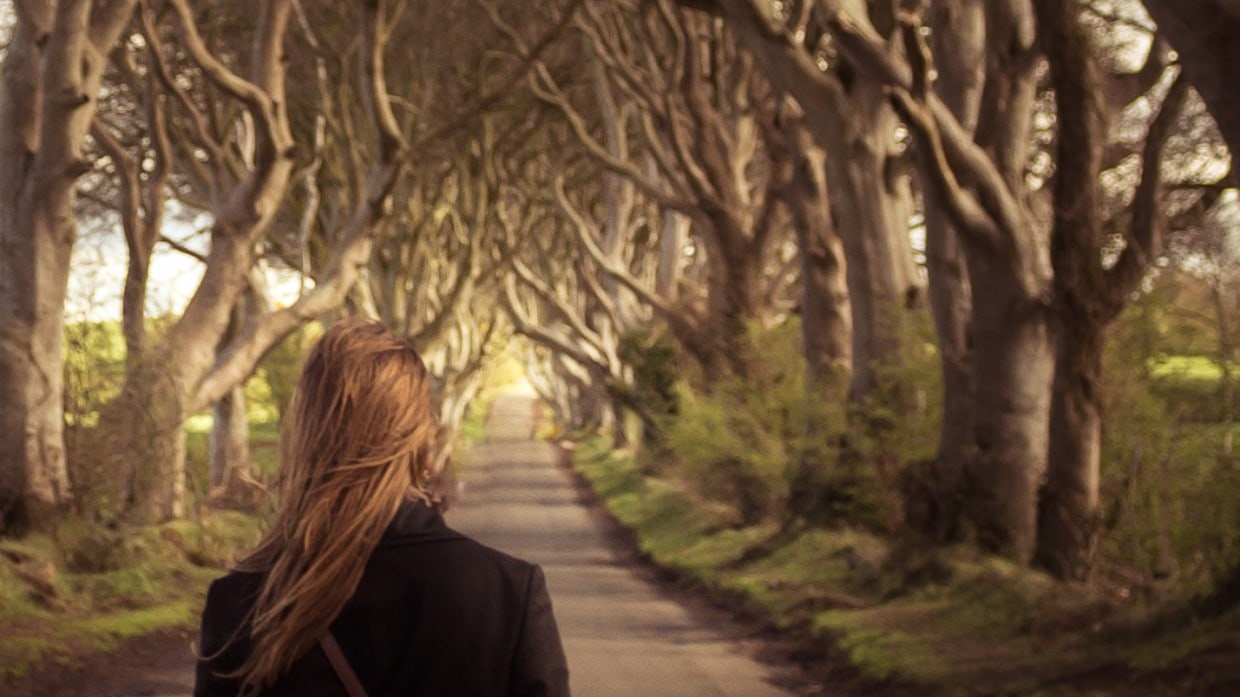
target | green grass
x=1203, y=368
x=148, y=580
x=975, y=625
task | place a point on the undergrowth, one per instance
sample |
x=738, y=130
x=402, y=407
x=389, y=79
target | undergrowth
x=82, y=588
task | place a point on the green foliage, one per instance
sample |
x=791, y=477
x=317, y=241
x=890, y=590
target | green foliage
x=652, y=358
x=743, y=443
x=260, y=403
x=776, y=447
x=1169, y=488
x=904, y=411
x=280, y=368
x=93, y=371
x=103, y=584
x=87, y=547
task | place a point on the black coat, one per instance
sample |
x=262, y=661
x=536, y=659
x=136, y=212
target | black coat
x=436, y=614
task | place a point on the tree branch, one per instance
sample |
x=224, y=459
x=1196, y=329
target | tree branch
x=1147, y=229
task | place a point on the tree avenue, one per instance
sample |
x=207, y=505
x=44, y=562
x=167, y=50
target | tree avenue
x=885, y=246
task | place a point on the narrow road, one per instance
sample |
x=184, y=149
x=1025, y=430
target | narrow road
x=623, y=636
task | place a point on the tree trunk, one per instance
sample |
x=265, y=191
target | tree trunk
x=619, y=425
x=1013, y=363
x=675, y=231
x=934, y=506
x=34, y=478
x=826, y=317
x=1226, y=352
x=872, y=202
x=150, y=412
x=1068, y=506
x=229, y=464
x=722, y=346
x=146, y=428
x=52, y=70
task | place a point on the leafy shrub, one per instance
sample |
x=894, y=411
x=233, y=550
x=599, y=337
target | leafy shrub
x=281, y=366
x=1168, y=487
x=94, y=369
x=744, y=443
x=89, y=548
x=652, y=359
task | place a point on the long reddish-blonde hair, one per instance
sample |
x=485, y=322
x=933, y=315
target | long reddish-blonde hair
x=355, y=443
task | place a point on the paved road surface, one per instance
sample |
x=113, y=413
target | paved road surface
x=623, y=637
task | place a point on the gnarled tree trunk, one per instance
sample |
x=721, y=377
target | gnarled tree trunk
x=52, y=72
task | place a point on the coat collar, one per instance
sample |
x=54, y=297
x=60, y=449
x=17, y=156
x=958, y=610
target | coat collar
x=416, y=522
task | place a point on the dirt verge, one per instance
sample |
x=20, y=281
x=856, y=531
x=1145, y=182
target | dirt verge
x=160, y=664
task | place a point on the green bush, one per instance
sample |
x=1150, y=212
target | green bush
x=89, y=548
x=745, y=442
x=1168, y=488
x=94, y=370
x=282, y=365
x=652, y=358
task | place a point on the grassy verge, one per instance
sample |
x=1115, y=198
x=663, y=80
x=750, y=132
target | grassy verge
x=951, y=622
x=81, y=589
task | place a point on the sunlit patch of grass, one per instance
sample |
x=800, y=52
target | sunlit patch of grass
x=199, y=423
x=104, y=630
x=1204, y=368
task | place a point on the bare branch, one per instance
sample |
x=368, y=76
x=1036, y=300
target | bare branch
x=529, y=59
x=391, y=141
x=201, y=129
x=1147, y=229
x=183, y=248
x=274, y=139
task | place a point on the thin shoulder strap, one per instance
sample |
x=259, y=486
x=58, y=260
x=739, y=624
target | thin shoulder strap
x=341, y=665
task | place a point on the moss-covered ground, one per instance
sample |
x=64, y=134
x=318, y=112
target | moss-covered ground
x=80, y=589
x=943, y=622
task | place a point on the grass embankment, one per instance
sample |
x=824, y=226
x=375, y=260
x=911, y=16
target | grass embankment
x=950, y=623
x=82, y=589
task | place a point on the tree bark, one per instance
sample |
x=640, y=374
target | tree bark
x=229, y=464
x=145, y=428
x=229, y=445
x=826, y=316
x=1013, y=361
x=1068, y=506
x=52, y=73
x=934, y=506
x=872, y=202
